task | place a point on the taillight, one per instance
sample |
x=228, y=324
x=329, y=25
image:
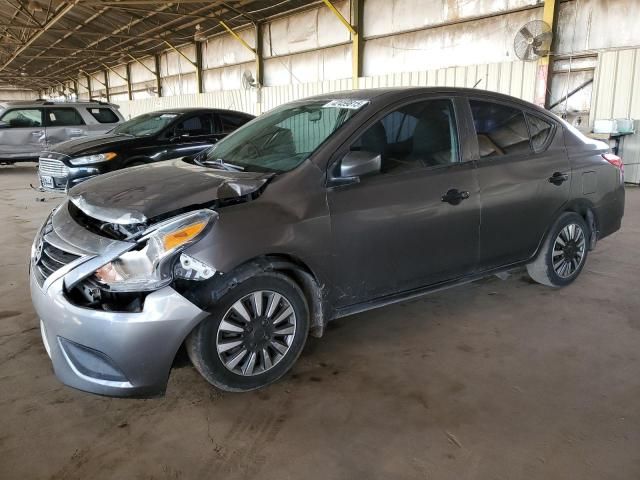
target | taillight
x=614, y=160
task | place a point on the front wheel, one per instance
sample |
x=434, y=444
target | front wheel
x=563, y=253
x=253, y=336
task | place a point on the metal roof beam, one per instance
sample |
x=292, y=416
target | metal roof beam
x=160, y=27
x=105, y=37
x=37, y=35
x=85, y=33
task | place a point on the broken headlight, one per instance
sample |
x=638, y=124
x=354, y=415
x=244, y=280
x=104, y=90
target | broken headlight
x=149, y=266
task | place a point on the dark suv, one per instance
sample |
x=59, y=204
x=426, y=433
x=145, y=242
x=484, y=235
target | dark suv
x=147, y=138
x=318, y=209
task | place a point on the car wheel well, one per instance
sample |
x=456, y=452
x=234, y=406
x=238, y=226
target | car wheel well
x=587, y=212
x=207, y=293
x=312, y=288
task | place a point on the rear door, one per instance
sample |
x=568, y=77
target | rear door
x=402, y=228
x=22, y=133
x=63, y=123
x=523, y=173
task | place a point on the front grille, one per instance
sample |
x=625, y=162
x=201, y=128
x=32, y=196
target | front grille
x=51, y=259
x=53, y=168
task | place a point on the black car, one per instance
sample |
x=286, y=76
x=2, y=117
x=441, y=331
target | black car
x=318, y=209
x=151, y=137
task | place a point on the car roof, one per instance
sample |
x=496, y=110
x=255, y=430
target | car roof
x=397, y=93
x=198, y=109
x=39, y=103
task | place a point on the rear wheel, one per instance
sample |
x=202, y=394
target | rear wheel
x=563, y=253
x=253, y=336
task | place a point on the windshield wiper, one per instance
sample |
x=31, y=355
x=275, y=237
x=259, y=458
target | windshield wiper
x=220, y=163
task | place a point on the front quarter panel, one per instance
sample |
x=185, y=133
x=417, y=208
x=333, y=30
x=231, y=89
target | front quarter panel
x=290, y=218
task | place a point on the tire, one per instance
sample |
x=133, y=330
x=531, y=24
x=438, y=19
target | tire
x=234, y=326
x=556, y=269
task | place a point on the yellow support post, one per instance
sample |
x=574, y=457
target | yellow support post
x=237, y=37
x=337, y=13
x=257, y=53
x=181, y=54
x=549, y=16
x=356, y=49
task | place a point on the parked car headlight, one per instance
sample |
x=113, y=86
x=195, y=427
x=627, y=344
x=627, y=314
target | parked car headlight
x=89, y=159
x=149, y=266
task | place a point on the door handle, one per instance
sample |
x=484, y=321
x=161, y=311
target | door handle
x=455, y=196
x=557, y=178
x=38, y=133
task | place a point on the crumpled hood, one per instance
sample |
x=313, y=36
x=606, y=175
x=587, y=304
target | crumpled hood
x=140, y=194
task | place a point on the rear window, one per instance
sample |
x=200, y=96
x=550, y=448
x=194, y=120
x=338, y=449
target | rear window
x=103, y=115
x=501, y=129
x=540, y=131
x=63, y=117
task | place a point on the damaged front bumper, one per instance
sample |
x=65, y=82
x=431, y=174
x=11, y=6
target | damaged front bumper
x=116, y=353
x=113, y=353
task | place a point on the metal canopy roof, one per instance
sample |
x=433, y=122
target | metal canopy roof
x=45, y=42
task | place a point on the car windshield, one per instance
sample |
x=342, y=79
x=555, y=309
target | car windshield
x=282, y=139
x=145, y=125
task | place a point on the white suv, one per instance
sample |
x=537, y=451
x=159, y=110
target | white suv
x=28, y=128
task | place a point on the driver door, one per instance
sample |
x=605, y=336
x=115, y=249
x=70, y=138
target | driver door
x=22, y=133
x=396, y=229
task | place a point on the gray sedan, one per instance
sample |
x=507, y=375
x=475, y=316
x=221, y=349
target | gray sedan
x=319, y=209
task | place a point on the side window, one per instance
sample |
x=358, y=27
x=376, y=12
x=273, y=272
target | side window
x=421, y=134
x=63, y=117
x=540, y=131
x=195, y=126
x=23, y=118
x=501, y=129
x=231, y=122
x=103, y=115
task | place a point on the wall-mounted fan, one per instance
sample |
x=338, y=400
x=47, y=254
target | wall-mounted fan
x=248, y=81
x=199, y=35
x=533, y=41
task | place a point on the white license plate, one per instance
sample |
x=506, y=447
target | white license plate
x=46, y=181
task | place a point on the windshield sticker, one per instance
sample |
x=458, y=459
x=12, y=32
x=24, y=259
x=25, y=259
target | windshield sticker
x=168, y=115
x=348, y=103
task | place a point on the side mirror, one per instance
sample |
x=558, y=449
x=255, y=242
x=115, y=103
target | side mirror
x=359, y=164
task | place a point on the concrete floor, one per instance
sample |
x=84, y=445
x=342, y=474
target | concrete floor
x=494, y=380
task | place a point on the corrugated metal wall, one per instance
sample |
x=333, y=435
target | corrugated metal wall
x=617, y=85
x=512, y=78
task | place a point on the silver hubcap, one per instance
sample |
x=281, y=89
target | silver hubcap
x=256, y=333
x=568, y=250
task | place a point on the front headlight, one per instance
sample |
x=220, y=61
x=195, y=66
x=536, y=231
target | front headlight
x=149, y=266
x=89, y=159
